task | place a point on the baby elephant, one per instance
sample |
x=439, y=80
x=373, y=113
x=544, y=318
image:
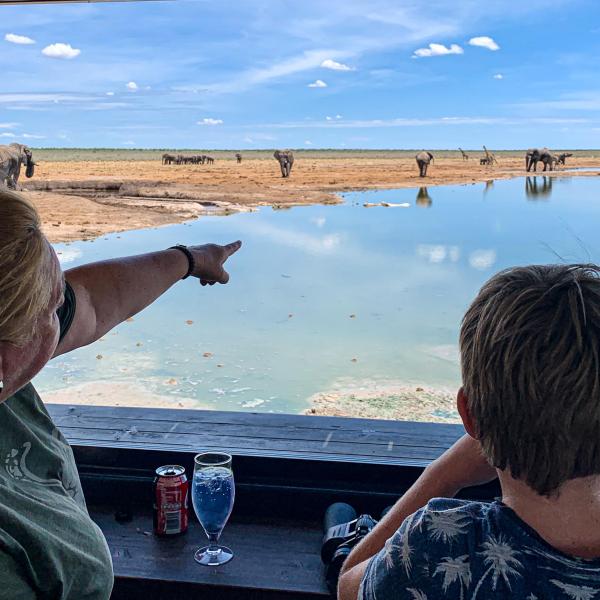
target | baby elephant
x=286, y=161
x=423, y=159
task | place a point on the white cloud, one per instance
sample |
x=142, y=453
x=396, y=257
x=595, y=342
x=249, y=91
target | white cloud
x=110, y=93
x=437, y=50
x=483, y=41
x=35, y=98
x=319, y=83
x=335, y=66
x=128, y=143
x=307, y=143
x=258, y=76
x=210, y=121
x=7, y=135
x=438, y=253
x=305, y=242
x=13, y=38
x=33, y=136
x=339, y=117
x=8, y=125
x=498, y=76
x=482, y=259
x=329, y=118
x=132, y=86
x=64, y=51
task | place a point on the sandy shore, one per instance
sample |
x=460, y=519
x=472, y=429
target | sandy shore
x=117, y=393
x=85, y=199
x=386, y=400
x=347, y=398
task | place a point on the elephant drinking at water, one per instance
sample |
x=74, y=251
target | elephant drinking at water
x=423, y=159
x=11, y=159
x=286, y=161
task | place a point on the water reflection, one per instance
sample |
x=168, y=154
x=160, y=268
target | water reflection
x=489, y=185
x=423, y=198
x=538, y=191
x=327, y=297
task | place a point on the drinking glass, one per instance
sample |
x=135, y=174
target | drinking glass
x=213, y=493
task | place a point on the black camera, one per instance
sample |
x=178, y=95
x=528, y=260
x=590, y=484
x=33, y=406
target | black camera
x=343, y=530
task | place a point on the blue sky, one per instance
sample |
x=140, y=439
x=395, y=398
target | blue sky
x=238, y=74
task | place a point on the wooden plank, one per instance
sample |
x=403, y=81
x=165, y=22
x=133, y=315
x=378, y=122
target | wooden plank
x=251, y=434
x=387, y=453
x=199, y=442
x=271, y=555
x=265, y=420
x=254, y=429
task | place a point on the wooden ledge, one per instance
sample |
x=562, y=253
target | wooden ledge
x=273, y=558
x=256, y=434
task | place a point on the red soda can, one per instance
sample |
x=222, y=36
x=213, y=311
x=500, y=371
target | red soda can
x=170, y=500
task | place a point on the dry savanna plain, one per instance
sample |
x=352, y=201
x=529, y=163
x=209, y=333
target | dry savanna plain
x=82, y=194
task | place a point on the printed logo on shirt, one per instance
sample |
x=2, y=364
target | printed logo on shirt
x=15, y=463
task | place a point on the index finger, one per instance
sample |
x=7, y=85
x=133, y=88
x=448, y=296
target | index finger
x=232, y=248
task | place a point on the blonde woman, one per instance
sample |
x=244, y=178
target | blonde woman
x=49, y=546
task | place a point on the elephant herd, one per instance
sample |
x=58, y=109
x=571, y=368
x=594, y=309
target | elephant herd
x=179, y=159
x=11, y=159
x=285, y=158
x=545, y=156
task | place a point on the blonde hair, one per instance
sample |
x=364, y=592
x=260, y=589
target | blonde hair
x=530, y=352
x=25, y=275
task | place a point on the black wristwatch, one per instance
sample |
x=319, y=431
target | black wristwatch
x=190, y=257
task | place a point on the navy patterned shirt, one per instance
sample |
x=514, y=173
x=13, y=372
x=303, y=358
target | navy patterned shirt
x=472, y=550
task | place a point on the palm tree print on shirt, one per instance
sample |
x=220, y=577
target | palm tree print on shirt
x=445, y=526
x=501, y=558
x=576, y=592
x=455, y=570
x=404, y=548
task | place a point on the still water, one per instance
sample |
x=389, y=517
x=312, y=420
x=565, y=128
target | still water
x=323, y=294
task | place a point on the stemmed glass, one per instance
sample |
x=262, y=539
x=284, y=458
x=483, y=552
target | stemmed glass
x=213, y=493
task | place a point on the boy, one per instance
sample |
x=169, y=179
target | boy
x=530, y=403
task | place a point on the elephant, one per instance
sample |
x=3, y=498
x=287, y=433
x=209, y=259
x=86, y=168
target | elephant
x=11, y=159
x=423, y=198
x=286, y=161
x=534, y=191
x=535, y=155
x=423, y=159
x=562, y=158
x=238, y=157
x=168, y=159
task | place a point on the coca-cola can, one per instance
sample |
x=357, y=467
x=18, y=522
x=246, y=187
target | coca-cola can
x=170, y=500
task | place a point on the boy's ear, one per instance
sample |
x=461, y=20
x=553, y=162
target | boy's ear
x=462, y=406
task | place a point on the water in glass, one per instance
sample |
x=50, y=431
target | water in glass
x=213, y=494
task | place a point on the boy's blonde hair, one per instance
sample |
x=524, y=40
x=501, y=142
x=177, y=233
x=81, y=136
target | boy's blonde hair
x=26, y=284
x=530, y=345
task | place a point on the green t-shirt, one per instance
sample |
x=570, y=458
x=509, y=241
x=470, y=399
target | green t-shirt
x=49, y=546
